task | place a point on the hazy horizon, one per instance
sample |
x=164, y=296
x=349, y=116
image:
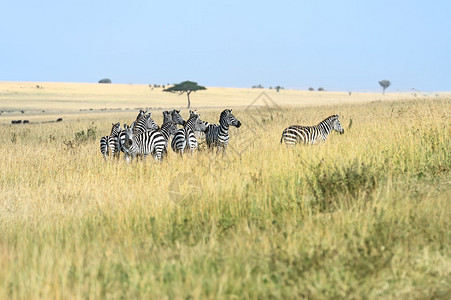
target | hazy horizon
x=346, y=46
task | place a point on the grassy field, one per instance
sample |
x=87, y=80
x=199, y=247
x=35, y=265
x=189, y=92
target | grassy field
x=365, y=215
x=46, y=101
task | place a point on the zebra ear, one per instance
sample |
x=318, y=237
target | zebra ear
x=178, y=111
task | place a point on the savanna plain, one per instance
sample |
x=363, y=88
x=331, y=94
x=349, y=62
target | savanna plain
x=365, y=215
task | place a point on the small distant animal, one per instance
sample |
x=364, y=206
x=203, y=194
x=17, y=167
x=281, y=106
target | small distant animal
x=311, y=134
x=59, y=119
x=26, y=121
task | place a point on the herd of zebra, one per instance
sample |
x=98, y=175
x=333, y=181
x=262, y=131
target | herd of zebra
x=144, y=137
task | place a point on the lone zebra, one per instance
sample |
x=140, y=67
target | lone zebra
x=217, y=135
x=311, y=134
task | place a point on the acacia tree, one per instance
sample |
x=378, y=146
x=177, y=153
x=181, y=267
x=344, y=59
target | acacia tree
x=384, y=84
x=185, y=87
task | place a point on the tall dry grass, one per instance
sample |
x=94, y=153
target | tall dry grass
x=365, y=215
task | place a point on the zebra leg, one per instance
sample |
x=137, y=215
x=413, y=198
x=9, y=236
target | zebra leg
x=157, y=156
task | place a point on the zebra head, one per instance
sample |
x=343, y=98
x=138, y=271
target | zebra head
x=150, y=123
x=169, y=127
x=128, y=134
x=228, y=119
x=336, y=124
x=177, y=117
x=141, y=114
x=200, y=125
x=166, y=116
x=195, y=123
x=116, y=129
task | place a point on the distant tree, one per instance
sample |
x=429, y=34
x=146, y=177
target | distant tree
x=384, y=84
x=105, y=80
x=311, y=89
x=278, y=88
x=185, y=87
x=321, y=89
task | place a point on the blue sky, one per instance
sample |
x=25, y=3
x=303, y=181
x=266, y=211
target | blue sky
x=338, y=45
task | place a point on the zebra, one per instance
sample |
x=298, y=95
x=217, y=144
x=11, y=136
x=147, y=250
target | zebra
x=184, y=138
x=168, y=129
x=173, y=115
x=200, y=134
x=123, y=137
x=217, y=135
x=153, y=142
x=141, y=114
x=109, y=144
x=145, y=123
x=311, y=134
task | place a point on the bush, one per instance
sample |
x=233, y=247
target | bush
x=105, y=80
x=321, y=89
x=82, y=137
x=355, y=180
x=311, y=89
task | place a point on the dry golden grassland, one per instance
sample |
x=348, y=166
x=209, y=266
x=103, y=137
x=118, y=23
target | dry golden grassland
x=365, y=215
x=74, y=101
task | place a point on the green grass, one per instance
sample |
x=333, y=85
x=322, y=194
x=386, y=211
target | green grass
x=365, y=215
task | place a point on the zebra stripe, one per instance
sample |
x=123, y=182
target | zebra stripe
x=217, y=135
x=145, y=123
x=147, y=143
x=311, y=134
x=109, y=144
x=141, y=114
x=185, y=138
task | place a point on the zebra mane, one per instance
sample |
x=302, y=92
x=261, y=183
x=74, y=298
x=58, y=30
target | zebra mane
x=225, y=112
x=332, y=117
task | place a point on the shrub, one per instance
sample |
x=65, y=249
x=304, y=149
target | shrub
x=82, y=137
x=105, y=80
